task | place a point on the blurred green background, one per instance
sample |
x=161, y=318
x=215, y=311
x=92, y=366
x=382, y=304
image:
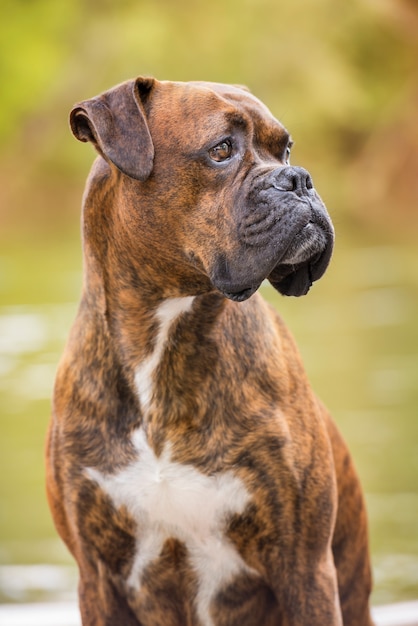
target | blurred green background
x=343, y=77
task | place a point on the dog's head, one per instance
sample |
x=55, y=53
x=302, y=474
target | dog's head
x=210, y=164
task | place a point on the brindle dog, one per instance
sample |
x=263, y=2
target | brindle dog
x=192, y=472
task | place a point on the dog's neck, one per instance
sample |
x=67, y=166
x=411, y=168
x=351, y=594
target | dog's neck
x=162, y=346
x=155, y=331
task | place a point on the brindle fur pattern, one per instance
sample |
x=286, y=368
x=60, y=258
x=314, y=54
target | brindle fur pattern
x=229, y=396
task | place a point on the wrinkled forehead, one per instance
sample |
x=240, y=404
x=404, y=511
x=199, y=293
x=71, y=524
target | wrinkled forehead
x=207, y=109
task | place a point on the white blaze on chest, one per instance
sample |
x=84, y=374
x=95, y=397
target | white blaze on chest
x=170, y=499
x=167, y=313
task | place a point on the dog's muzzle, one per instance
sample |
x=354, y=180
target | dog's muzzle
x=284, y=233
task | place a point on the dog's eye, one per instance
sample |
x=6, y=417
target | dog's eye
x=221, y=152
x=287, y=154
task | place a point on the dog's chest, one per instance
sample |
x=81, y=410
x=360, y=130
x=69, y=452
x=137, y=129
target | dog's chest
x=167, y=500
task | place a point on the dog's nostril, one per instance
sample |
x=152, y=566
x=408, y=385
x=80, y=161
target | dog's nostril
x=293, y=179
x=286, y=180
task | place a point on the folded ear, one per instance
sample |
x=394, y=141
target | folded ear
x=115, y=123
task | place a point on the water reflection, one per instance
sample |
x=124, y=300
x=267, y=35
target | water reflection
x=30, y=340
x=38, y=583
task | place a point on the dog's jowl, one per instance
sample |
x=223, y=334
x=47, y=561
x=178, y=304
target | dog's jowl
x=191, y=471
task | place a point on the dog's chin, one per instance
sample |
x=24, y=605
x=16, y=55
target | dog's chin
x=304, y=261
x=289, y=279
x=239, y=295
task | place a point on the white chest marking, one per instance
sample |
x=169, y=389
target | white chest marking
x=168, y=499
x=166, y=314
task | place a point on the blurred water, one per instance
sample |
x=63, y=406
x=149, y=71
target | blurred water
x=358, y=335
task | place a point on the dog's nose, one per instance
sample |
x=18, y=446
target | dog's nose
x=295, y=179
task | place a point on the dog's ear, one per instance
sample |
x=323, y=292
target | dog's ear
x=115, y=123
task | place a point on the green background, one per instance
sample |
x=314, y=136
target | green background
x=342, y=76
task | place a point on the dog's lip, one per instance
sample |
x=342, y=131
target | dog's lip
x=302, y=247
x=296, y=280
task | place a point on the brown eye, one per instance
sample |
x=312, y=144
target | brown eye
x=221, y=152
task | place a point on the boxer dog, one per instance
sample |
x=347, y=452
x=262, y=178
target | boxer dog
x=191, y=470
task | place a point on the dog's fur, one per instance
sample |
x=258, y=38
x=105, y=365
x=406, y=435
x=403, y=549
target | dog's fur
x=191, y=471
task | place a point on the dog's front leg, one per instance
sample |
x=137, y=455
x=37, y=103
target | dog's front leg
x=101, y=604
x=311, y=596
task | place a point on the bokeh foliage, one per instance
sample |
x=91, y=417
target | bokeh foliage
x=341, y=75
